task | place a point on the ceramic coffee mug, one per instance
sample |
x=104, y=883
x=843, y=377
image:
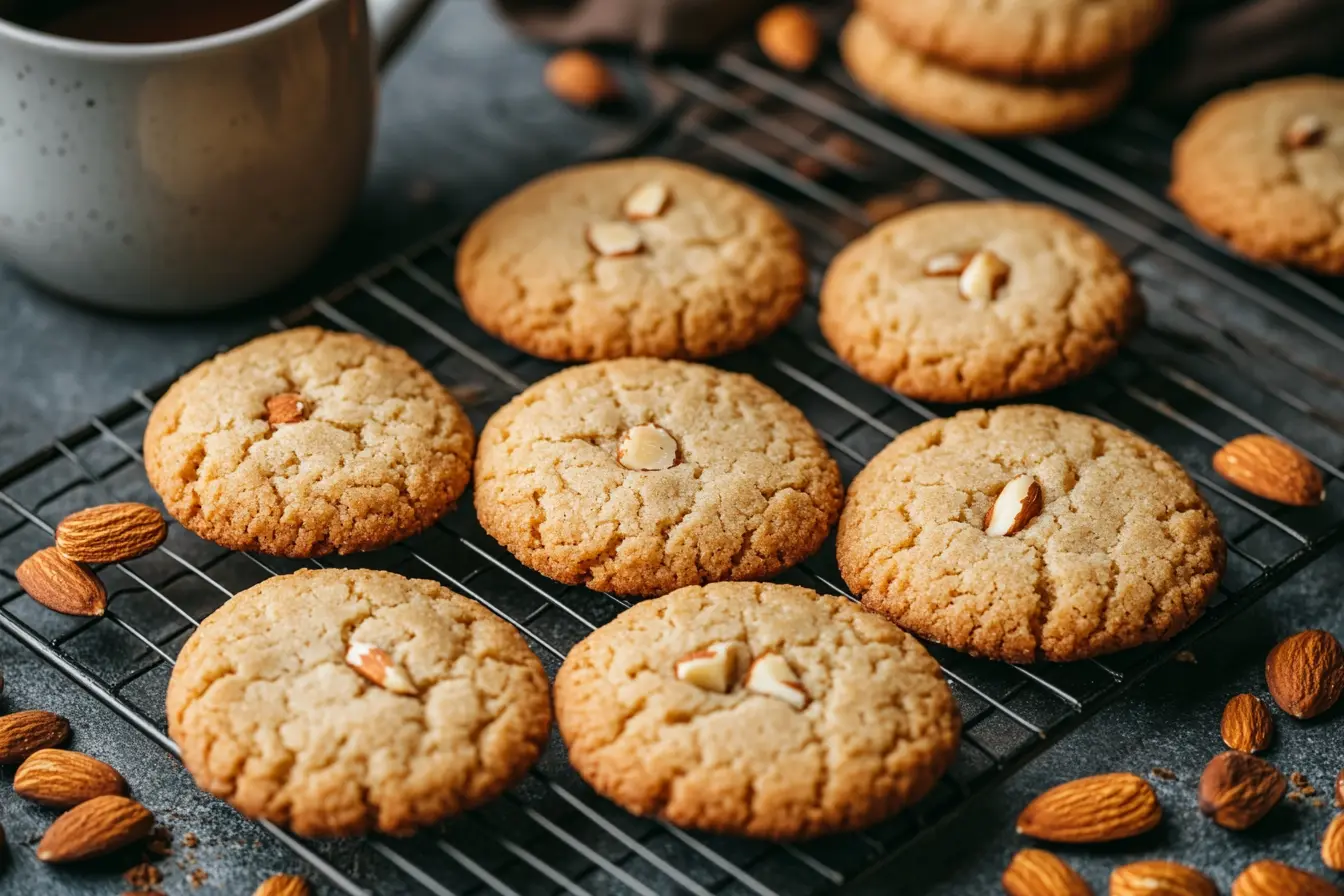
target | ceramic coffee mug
x=185, y=176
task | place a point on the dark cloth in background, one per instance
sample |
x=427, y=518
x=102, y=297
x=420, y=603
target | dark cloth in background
x=1213, y=45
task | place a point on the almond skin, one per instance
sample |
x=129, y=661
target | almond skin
x=64, y=778
x=1332, y=844
x=111, y=533
x=283, y=885
x=102, y=825
x=1247, y=724
x=580, y=79
x=1274, y=470
x=1305, y=673
x=24, y=733
x=1158, y=878
x=1270, y=878
x=59, y=583
x=1092, y=810
x=1035, y=872
x=1238, y=789
x=789, y=37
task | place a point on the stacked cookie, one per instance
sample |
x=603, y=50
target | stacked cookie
x=1000, y=69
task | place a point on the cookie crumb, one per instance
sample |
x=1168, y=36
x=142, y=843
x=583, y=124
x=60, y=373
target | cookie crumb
x=1299, y=780
x=1165, y=774
x=1295, y=796
x=1317, y=802
x=198, y=877
x=143, y=876
x=1186, y=656
x=190, y=840
x=160, y=843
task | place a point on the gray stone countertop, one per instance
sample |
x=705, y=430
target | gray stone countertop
x=463, y=119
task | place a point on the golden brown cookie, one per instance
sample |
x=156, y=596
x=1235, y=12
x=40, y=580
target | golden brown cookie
x=1022, y=38
x=646, y=257
x=1029, y=533
x=1264, y=169
x=756, y=709
x=921, y=87
x=341, y=701
x=640, y=476
x=973, y=301
x=306, y=442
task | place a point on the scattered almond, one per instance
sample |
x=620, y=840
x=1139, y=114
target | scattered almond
x=1303, y=131
x=1274, y=470
x=285, y=408
x=1159, y=878
x=1332, y=844
x=1035, y=872
x=1238, y=789
x=789, y=37
x=613, y=239
x=647, y=447
x=64, y=778
x=1270, y=878
x=580, y=79
x=1016, y=505
x=111, y=533
x=1305, y=673
x=947, y=264
x=770, y=674
x=716, y=668
x=102, y=825
x=24, y=733
x=648, y=201
x=1092, y=810
x=378, y=666
x=1247, y=724
x=283, y=885
x=985, y=273
x=59, y=583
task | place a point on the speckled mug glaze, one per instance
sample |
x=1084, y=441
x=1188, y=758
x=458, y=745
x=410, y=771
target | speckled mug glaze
x=185, y=176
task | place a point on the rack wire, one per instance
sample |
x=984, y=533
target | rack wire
x=1229, y=349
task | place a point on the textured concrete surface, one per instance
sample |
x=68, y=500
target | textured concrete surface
x=463, y=119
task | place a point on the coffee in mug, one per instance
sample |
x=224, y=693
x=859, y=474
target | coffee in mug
x=139, y=21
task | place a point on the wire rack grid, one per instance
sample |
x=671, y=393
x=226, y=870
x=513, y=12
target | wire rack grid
x=1229, y=349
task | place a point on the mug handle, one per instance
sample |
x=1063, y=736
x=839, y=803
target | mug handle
x=393, y=22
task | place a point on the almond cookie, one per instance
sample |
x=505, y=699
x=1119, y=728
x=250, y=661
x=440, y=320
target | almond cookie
x=341, y=701
x=306, y=442
x=1264, y=168
x=640, y=476
x=1029, y=533
x=1022, y=38
x=756, y=709
x=633, y=257
x=974, y=301
x=921, y=87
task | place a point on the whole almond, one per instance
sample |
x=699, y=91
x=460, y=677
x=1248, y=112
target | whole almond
x=24, y=733
x=1159, y=878
x=111, y=533
x=789, y=37
x=1339, y=790
x=102, y=825
x=1092, y=810
x=1238, y=789
x=287, y=407
x=1305, y=673
x=283, y=885
x=1270, y=878
x=580, y=79
x=1332, y=844
x=1035, y=872
x=1247, y=724
x=1274, y=470
x=64, y=778
x=59, y=583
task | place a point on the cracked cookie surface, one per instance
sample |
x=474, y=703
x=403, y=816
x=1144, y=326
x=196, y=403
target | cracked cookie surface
x=271, y=718
x=378, y=451
x=752, y=489
x=718, y=269
x=1022, y=38
x=1065, y=308
x=924, y=88
x=1123, y=551
x=1237, y=176
x=879, y=730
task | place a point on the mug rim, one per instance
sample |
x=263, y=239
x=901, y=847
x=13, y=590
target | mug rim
x=92, y=49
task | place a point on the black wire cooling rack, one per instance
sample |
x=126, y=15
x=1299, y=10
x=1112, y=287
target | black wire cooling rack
x=1229, y=349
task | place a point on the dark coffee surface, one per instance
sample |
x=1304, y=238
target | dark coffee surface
x=145, y=21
